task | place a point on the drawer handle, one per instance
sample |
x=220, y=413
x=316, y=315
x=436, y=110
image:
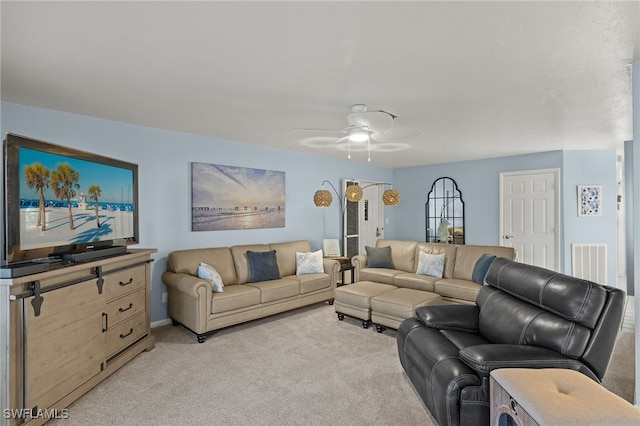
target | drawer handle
x=122, y=336
x=126, y=309
x=127, y=283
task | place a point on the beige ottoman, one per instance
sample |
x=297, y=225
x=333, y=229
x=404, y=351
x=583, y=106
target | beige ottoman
x=548, y=396
x=355, y=299
x=389, y=309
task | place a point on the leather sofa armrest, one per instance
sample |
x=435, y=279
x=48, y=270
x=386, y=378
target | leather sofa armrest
x=187, y=284
x=332, y=267
x=450, y=317
x=486, y=358
x=358, y=262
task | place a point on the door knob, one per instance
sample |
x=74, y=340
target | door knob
x=506, y=237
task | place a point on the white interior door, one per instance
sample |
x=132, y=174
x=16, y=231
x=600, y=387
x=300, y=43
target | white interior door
x=529, y=216
x=363, y=222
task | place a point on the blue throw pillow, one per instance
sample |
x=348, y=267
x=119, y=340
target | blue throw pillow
x=263, y=265
x=481, y=268
x=379, y=257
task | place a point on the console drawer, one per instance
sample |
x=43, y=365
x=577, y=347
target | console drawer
x=122, y=282
x=125, y=333
x=125, y=307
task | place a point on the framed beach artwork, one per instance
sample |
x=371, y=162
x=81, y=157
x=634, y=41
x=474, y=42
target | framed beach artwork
x=229, y=197
x=589, y=200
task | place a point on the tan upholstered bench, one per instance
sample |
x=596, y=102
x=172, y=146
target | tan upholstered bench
x=355, y=299
x=390, y=308
x=552, y=396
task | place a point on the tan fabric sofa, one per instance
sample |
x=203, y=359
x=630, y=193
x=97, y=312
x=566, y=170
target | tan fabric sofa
x=456, y=284
x=193, y=303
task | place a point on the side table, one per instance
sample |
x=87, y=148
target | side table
x=548, y=396
x=345, y=265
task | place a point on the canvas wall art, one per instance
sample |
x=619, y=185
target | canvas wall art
x=229, y=197
x=589, y=200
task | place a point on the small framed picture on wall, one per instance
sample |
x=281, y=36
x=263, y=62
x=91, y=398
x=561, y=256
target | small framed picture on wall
x=589, y=200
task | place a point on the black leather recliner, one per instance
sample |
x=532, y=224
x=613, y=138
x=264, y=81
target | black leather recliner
x=524, y=317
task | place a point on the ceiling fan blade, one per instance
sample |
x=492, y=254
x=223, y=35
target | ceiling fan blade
x=375, y=121
x=397, y=132
x=298, y=129
x=342, y=139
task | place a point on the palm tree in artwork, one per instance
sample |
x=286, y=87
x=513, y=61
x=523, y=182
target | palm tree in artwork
x=94, y=194
x=64, y=182
x=37, y=176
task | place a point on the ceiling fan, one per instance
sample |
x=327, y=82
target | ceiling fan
x=365, y=127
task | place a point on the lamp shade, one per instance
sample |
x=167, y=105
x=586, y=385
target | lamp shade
x=322, y=198
x=390, y=197
x=353, y=193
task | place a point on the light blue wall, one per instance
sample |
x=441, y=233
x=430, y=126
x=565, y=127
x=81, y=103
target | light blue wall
x=597, y=167
x=479, y=183
x=164, y=159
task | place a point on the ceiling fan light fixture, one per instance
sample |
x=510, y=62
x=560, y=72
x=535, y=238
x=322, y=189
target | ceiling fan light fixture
x=358, y=135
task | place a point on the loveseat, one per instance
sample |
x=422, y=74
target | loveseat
x=525, y=317
x=246, y=294
x=457, y=283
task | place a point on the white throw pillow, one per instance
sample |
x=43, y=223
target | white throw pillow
x=208, y=272
x=309, y=263
x=430, y=264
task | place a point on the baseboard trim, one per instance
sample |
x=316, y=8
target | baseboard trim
x=160, y=323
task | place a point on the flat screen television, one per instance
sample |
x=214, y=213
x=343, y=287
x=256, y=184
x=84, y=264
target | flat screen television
x=60, y=200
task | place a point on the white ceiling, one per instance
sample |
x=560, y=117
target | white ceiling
x=480, y=79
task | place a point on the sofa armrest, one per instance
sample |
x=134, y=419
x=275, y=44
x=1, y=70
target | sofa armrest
x=187, y=284
x=332, y=267
x=358, y=262
x=189, y=300
x=450, y=317
x=486, y=358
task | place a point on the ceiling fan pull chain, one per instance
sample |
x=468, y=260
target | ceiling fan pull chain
x=369, y=150
x=349, y=147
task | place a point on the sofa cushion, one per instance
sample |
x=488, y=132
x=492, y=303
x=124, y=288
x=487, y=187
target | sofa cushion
x=415, y=281
x=431, y=264
x=468, y=255
x=312, y=282
x=208, y=272
x=241, y=262
x=187, y=261
x=277, y=289
x=379, y=257
x=449, y=251
x=465, y=290
x=263, y=266
x=309, y=263
x=286, y=255
x=379, y=275
x=403, y=253
x=234, y=297
x=481, y=267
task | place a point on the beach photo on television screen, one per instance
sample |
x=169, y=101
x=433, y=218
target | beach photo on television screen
x=67, y=200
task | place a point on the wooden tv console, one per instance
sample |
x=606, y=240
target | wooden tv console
x=65, y=330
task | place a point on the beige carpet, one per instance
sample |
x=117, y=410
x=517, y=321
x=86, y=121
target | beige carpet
x=299, y=368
